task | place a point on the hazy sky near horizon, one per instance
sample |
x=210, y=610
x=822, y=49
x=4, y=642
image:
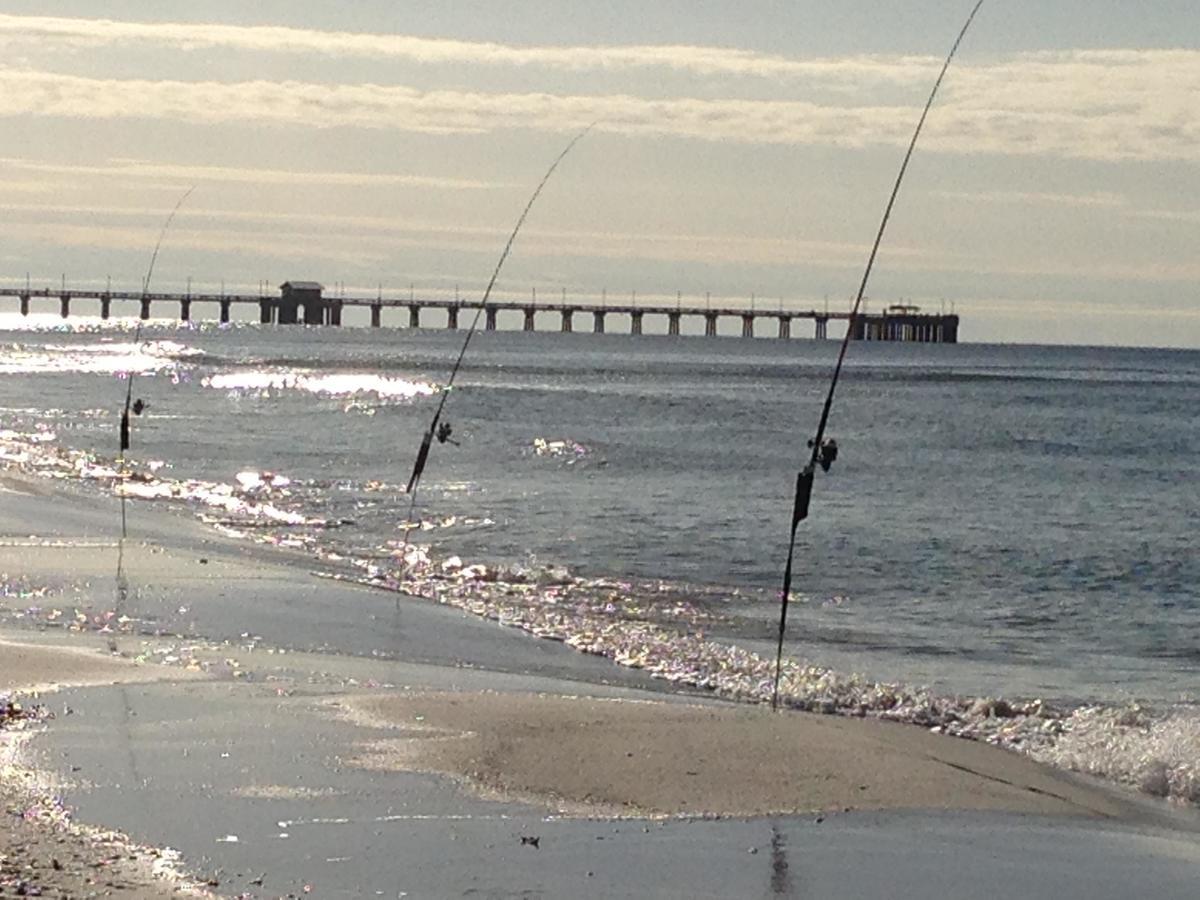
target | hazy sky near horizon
x=742, y=149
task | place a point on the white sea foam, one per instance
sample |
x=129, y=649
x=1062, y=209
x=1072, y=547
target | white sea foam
x=221, y=497
x=332, y=385
x=1151, y=751
x=34, y=437
x=559, y=447
x=1155, y=752
x=253, y=481
x=247, y=502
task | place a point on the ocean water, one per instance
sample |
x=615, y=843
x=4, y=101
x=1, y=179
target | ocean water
x=1002, y=521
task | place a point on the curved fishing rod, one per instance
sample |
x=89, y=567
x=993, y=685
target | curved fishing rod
x=414, y=480
x=137, y=334
x=804, y=479
x=122, y=581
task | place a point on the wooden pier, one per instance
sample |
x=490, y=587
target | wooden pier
x=302, y=302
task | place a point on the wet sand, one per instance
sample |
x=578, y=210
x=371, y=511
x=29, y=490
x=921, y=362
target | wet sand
x=611, y=756
x=256, y=781
x=32, y=667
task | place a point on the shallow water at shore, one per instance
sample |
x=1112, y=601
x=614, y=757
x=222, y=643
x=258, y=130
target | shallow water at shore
x=626, y=497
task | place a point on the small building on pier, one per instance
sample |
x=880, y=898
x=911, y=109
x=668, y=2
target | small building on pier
x=903, y=322
x=301, y=301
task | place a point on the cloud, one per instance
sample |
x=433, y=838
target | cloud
x=1183, y=271
x=1097, y=104
x=1187, y=217
x=1054, y=307
x=45, y=31
x=264, y=244
x=200, y=227
x=1097, y=107
x=440, y=111
x=1095, y=198
x=361, y=239
x=375, y=242
x=10, y=186
x=153, y=170
x=1114, y=104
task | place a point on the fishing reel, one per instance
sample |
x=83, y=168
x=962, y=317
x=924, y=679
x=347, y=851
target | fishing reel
x=826, y=454
x=138, y=407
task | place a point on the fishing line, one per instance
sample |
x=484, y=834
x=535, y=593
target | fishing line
x=122, y=582
x=137, y=336
x=804, y=479
x=414, y=480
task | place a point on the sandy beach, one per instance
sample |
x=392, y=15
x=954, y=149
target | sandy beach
x=242, y=711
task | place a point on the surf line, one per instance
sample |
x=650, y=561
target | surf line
x=820, y=451
x=443, y=434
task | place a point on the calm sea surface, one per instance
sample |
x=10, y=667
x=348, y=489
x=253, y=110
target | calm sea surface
x=1001, y=520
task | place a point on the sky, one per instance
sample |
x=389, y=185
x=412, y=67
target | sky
x=743, y=152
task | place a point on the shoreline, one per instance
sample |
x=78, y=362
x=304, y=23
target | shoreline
x=1073, y=736
x=551, y=727
x=43, y=851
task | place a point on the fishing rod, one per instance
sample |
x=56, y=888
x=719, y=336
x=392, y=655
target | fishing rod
x=122, y=581
x=137, y=336
x=443, y=433
x=823, y=451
